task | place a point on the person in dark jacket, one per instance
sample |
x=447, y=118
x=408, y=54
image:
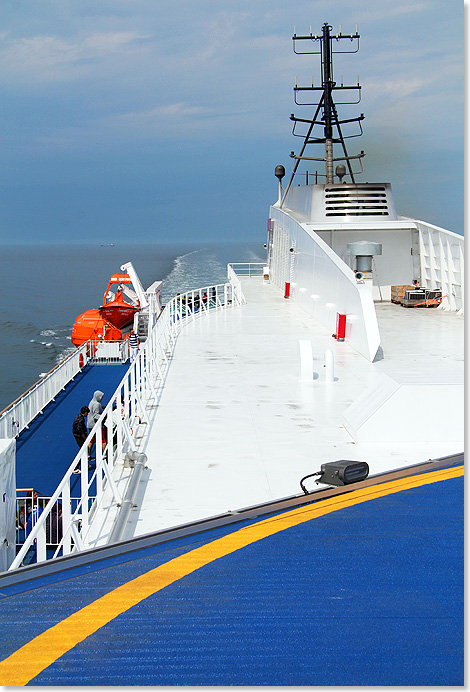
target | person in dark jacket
x=79, y=428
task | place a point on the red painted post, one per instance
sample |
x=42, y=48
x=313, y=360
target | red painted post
x=287, y=290
x=340, y=326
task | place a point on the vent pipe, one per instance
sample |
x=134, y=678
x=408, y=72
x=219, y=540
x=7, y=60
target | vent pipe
x=364, y=251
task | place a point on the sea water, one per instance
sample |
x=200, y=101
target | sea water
x=44, y=288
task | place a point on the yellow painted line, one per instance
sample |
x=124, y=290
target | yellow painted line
x=32, y=658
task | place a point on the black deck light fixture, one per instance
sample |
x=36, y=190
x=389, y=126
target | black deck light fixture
x=342, y=472
x=280, y=172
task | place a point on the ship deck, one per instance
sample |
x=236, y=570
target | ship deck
x=235, y=426
x=45, y=450
x=361, y=589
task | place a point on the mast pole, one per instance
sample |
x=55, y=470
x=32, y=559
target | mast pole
x=327, y=102
x=329, y=119
x=299, y=157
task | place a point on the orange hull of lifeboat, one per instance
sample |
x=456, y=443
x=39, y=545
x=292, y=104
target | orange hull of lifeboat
x=90, y=325
x=118, y=313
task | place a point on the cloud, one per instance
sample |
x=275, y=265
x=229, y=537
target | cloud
x=385, y=11
x=170, y=110
x=398, y=88
x=50, y=57
x=87, y=80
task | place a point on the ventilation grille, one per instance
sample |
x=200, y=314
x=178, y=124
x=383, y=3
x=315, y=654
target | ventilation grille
x=357, y=200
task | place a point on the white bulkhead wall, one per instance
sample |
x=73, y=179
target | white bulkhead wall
x=394, y=266
x=322, y=283
x=342, y=214
x=411, y=249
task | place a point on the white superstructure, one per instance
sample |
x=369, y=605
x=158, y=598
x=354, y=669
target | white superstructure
x=310, y=252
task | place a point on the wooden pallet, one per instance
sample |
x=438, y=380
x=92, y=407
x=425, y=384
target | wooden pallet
x=398, y=293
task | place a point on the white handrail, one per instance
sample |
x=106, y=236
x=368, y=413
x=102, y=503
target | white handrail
x=236, y=285
x=19, y=414
x=120, y=419
x=247, y=268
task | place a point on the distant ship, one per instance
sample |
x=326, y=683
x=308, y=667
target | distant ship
x=276, y=497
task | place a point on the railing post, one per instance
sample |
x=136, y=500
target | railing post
x=128, y=434
x=119, y=431
x=66, y=519
x=109, y=423
x=77, y=538
x=99, y=459
x=132, y=404
x=41, y=553
x=84, y=483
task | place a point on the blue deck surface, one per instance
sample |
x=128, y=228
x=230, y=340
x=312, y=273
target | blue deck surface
x=46, y=449
x=368, y=595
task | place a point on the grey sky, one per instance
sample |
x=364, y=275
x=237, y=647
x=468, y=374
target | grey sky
x=136, y=120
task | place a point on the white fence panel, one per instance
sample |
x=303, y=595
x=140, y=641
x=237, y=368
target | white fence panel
x=442, y=264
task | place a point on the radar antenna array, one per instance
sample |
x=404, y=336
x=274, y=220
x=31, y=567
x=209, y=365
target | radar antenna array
x=326, y=115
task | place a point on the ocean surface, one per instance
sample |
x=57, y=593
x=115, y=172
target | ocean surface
x=43, y=289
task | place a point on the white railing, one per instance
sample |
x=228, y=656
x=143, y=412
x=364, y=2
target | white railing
x=19, y=414
x=109, y=352
x=202, y=300
x=248, y=268
x=442, y=258
x=243, y=269
x=29, y=507
x=120, y=425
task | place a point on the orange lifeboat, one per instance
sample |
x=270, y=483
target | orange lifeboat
x=117, y=312
x=107, y=322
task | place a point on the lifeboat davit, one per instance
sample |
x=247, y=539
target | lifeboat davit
x=107, y=322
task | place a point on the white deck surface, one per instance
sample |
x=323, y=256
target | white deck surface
x=235, y=426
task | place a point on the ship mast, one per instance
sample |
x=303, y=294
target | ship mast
x=332, y=133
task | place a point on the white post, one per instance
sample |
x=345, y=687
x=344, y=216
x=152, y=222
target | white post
x=306, y=360
x=329, y=366
x=84, y=481
x=66, y=518
x=41, y=553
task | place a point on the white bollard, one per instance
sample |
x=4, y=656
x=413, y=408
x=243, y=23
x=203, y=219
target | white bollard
x=306, y=360
x=329, y=366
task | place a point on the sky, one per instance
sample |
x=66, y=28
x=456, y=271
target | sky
x=153, y=121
